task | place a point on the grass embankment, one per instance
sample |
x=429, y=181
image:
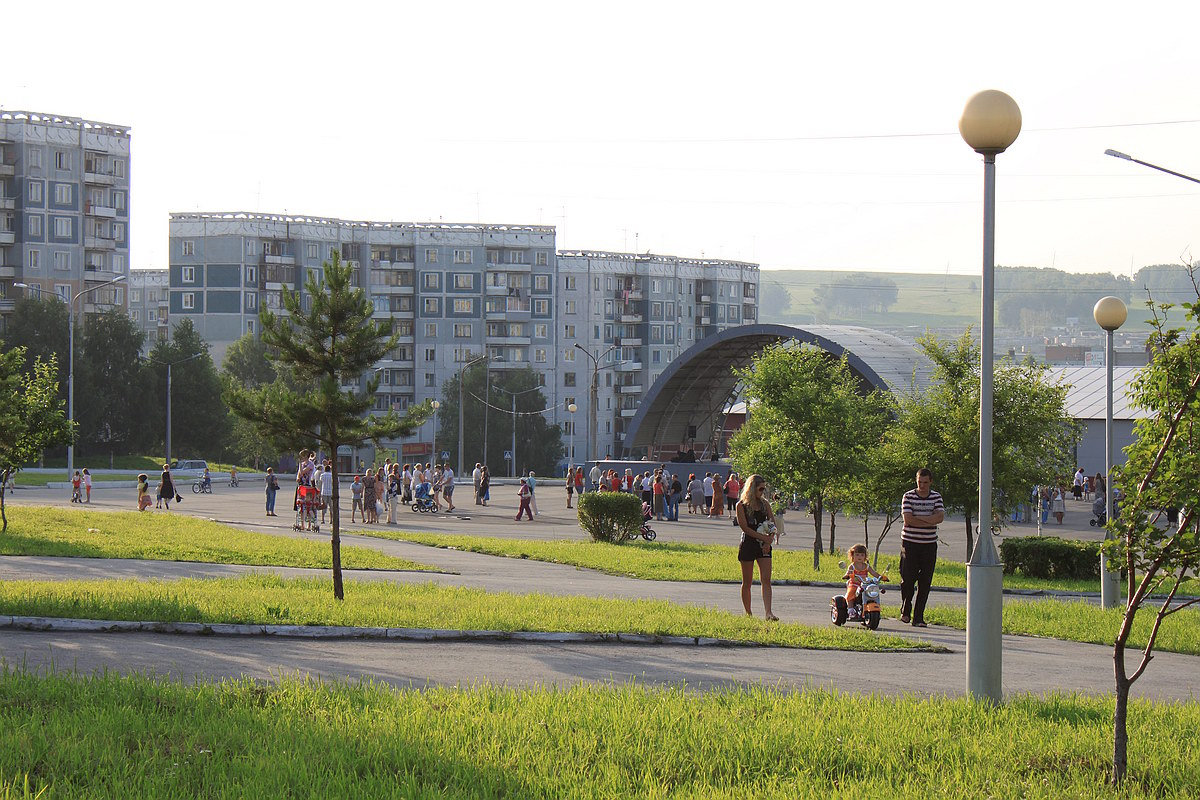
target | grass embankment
x=269, y=599
x=142, y=463
x=42, y=531
x=681, y=561
x=111, y=737
x=30, y=479
x=1080, y=622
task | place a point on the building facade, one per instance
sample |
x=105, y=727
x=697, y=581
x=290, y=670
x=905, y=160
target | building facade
x=149, y=298
x=459, y=291
x=64, y=209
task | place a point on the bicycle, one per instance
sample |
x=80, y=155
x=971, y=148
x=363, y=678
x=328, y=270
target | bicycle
x=200, y=486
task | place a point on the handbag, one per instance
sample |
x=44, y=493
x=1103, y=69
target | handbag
x=178, y=497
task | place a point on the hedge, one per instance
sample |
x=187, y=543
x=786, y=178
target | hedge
x=1051, y=557
x=610, y=516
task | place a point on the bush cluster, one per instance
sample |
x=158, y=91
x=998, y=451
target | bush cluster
x=1051, y=557
x=612, y=517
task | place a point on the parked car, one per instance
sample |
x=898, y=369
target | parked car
x=188, y=469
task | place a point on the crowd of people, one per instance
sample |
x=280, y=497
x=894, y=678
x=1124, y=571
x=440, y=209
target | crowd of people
x=663, y=492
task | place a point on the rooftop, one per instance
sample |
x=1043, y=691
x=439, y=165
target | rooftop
x=38, y=118
x=300, y=219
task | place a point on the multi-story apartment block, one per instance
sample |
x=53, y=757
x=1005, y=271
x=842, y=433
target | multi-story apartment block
x=456, y=292
x=64, y=208
x=149, y=298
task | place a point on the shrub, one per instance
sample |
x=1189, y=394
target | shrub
x=1051, y=557
x=610, y=516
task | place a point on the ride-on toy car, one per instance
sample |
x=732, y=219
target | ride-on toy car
x=866, y=608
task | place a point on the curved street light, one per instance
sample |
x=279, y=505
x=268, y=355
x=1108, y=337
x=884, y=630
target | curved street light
x=990, y=123
x=593, y=395
x=461, y=373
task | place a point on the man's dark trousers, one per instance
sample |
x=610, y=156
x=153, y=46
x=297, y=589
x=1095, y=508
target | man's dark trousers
x=916, y=568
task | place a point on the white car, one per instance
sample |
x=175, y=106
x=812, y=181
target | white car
x=192, y=469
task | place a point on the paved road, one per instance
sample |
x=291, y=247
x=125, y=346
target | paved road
x=1030, y=665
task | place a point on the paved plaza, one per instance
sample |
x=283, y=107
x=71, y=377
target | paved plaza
x=1031, y=664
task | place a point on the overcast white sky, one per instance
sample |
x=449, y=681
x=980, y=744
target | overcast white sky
x=776, y=133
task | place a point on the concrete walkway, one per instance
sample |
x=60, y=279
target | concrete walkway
x=1030, y=664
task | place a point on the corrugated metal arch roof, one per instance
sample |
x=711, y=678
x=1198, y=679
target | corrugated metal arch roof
x=1088, y=390
x=697, y=385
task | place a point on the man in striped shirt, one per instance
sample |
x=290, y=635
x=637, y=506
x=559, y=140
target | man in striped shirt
x=923, y=510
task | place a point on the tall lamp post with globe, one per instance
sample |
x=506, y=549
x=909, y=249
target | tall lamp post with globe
x=1110, y=313
x=572, y=408
x=990, y=123
x=436, y=405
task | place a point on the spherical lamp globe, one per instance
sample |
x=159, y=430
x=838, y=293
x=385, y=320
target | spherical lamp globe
x=1110, y=313
x=990, y=122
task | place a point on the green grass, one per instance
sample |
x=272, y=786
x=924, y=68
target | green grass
x=681, y=561
x=269, y=599
x=108, y=736
x=1081, y=622
x=43, y=531
x=43, y=478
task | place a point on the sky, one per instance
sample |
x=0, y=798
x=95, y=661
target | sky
x=780, y=133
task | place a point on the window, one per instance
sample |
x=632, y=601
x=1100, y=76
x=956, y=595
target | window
x=134, y=315
x=430, y=255
x=493, y=256
x=189, y=247
x=62, y=159
x=35, y=157
x=539, y=355
x=655, y=286
x=569, y=283
x=569, y=354
x=189, y=300
x=462, y=256
x=118, y=167
x=429, y=379
x=541, y=283
x=152, y=315
x=462, y=330
x=63, y=194
x=431, y=280
x=35, y=192
x=312, y=251
x=541, y=330
x=251, y=275
x=569, y=331
x=35, y=225
x=118, y=231
x=34, y=259
x=464, y=280
x=430, y=330
x=541, y=259
x=249, y=326
x=63, y=290
x=432, y=305
x=62, y=259
x=251, y=301
x=118, y=200
x=654, y=357
x=541, y=306
x=569, y=307
x=430, y=354
x=62, y=227
x=656, y=310
x=568, y=379
x=135, y=295
x=464, y=306
x=516, y=257
x=187, y=275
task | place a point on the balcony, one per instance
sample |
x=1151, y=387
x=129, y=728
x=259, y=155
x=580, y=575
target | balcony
x=8, y=170
x=97, y=210
x=273, y=258
x=99, y=243
x=7, y=237
x=628, y=294
x=8, y=272
x=99, y=307
x=99, y=274
x=275, y=277
x=629, y=341
x=629, y=366
x=630, y=319
x=493, y=290
x=515, y=341
x=7, y=305
x=704, y=321
x=522, y=268
x=628, y=412
x=630, y=388
x=97, y=176
x=703, y=298
x=8, y=203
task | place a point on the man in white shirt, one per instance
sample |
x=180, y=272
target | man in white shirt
x=325, y=482
x=1077, y=486
x=448, y=487
x=476, y=476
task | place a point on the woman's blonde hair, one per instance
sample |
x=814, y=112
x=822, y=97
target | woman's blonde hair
x=749, y=494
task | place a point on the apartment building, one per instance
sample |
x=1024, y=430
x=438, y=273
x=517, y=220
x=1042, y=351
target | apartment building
x=149, y=298
x=457, y=291
x=64, y=209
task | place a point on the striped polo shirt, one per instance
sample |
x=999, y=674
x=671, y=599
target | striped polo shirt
x=922, y=507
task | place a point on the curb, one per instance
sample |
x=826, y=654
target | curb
x=378, y=634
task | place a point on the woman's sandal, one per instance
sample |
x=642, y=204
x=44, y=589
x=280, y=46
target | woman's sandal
x=905, y=619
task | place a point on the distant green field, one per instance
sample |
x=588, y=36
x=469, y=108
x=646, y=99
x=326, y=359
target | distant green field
x=933, y=301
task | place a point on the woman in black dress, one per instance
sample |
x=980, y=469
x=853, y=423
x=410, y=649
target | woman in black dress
x=753, y=510
x=166, y=488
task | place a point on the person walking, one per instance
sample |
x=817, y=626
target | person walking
x=733, y=490
x=676, y=497
x=594, y=475
x=658, y=493
x=532, y=484
x=356, y=504
x=923, y=510
x=272, y=485
x=143, y=492
x=448, y=487
x=166, y=487
x=326, y=486
x=752, y=511
x=370, y=514
x=579, y=481
x=695, y=492
x=570, y=485
x=526, y=496
x=485, y=485
x=393, y=484
x=708, y=492
x=476, y=475
x=87, y=484
x=1059, y=503
x=717, y=508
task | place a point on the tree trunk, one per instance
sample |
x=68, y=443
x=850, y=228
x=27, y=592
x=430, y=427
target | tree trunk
x=1120, y=736
x=818, y=508
x=3, y=516
x=866, y=533
x=335, y=540
x=832, y=532
x=970, y=539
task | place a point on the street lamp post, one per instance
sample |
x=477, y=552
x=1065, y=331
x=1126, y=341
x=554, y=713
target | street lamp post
x=71, y=361
x=593, y=398
x=512, y=468
x=1110, y=313
x=169, y=365
x=990, y=122
x=436, y=405
x=1123, y=157
x=571, y=455
x=461, y=374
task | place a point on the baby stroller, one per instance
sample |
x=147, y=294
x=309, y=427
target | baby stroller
x=422, y=502
x=308, y=500
x=647, y=514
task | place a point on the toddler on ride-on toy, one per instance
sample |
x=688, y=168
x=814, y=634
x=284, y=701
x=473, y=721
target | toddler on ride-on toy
x=856, y=573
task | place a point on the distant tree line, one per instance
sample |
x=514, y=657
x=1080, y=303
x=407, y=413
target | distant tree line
x=857, y=294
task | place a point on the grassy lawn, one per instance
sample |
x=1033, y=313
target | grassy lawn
x=143, y=463
x=680, y=561
x=42, y=531
x=43, y=478
x=269, y=599
x=111, y=737
x=1080, y=622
